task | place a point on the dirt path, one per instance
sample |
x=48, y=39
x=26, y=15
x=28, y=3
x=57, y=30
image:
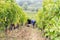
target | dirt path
x=26, y=33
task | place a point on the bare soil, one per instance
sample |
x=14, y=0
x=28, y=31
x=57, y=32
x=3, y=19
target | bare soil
x=24, y=33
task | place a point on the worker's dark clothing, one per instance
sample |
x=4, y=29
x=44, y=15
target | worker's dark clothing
x=29, y=21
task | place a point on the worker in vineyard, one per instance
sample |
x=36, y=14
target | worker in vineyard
x=29, y=21
x=33, y=22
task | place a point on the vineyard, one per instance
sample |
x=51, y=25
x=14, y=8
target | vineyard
x=47, y=19
x=10, y=13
